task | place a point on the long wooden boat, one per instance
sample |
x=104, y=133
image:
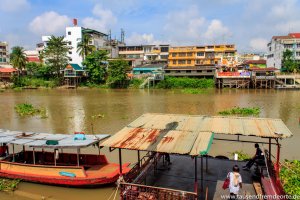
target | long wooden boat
x=47, y=158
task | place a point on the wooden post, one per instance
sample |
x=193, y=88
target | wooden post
x=196, y=176
x=270, y=157
x=78, y=152
x=13, y=147
x=120, y=161
x=139, y=158
x=202, y=178
x=54, y=157
x=33, y=156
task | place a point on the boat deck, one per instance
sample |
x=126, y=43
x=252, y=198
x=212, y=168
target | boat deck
x=106, y=170
x=180, y=176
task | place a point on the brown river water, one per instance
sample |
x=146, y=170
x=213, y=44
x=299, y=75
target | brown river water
x=71, y=110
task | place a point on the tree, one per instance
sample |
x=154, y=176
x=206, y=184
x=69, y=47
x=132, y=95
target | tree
x=288, y=62
x=96, y=64
x=55, y=53
x=117, y=73
x=84, y=47
x=18, y=57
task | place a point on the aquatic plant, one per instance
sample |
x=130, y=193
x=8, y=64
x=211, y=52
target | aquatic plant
x=26, y=109
x=241, y=111
x=180, y=83
x=290, y=177
x=194, y=91
x=242, y=156
x=8, y=184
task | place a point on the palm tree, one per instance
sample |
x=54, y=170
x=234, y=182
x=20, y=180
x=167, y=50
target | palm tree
x=55, y=53
x=18, y=58
x=84, y=47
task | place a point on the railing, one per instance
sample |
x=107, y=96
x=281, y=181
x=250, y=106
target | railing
x=264, y=77
x=135, y=191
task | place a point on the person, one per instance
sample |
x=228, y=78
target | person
x=167, y=158
x=258, y=155
x=235, y=182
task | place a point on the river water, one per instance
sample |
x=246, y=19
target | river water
x=72, y=110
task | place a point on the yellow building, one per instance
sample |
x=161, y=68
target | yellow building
x=198, y=60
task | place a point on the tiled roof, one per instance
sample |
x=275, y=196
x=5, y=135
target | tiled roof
x=74, y=66
x=255, y=62
x=295, y=35
x=7, y=70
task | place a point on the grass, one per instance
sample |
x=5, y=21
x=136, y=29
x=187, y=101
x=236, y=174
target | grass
x=241, y=111
x=135, y=83
x=181, y=83
x=35, y=82
x=290, y=177
x=242, y=155
x=8, y=184
x=25, y=109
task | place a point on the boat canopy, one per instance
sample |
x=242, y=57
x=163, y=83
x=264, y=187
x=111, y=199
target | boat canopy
x=190, y=134
x=41, y=140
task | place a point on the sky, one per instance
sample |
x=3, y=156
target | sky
x=248, y=24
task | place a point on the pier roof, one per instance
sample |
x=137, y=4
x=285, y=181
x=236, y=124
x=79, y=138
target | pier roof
x=39, y=140
x=190, y=134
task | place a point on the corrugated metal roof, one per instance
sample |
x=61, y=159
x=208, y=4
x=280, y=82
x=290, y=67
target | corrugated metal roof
x=190, y=134
x=38, y=140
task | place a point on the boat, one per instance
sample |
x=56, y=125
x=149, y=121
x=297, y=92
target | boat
x=56, y=159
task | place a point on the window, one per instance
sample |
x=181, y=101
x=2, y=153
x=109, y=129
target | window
x=70, y=59
x=297, y=53
x=288, y=46
x=200, y=54
x=167, y=71
x=164, y=56
x=70, y=52
x=181, y=62
x=174, y=54
x=189, y=62
x=199, y=71
x=70, y=43
x=182, y=54
x=69, y=32
x=188, y=71
x=209, y=70
x=189, y=54
x=164, y=49
x=298, y=45
x=174, y=62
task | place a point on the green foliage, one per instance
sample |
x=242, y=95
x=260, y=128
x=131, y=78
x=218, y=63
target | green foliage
x=194, y=91
x=288, y=62
x=254, y=111
x=8, y=184
x=26, y=109
x=290, y=177
x=173, y=83
x=96, y=64
x=39, y=70
x=35, y=82
x=117, y=73
x=135, y=83
x=18, y=58
x=55, y=53
x=84, y=47
x=242, y=155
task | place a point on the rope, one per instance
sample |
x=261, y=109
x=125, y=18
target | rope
x=121, y=179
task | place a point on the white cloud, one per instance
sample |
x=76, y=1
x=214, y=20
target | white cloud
x=216, y=31
x=105, y=19
x=14, y=5
x=138, y=39
x=258, y=44
x=49, y=23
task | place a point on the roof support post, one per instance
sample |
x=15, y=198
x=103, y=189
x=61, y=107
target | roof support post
x=78, y=152
x=13, y=149
x=277, y=157
x=139, y=158
x=202, y=178
x=270, y=156
x=33, y=156
x=196, y=176
x=54, y=157
x=120, y=161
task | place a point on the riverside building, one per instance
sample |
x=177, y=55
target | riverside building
x=278, y=45
x=199, y=61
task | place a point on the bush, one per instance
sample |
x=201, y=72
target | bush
x=180, y=83
x=290, y=177
x=35, y=82
x=135, y=83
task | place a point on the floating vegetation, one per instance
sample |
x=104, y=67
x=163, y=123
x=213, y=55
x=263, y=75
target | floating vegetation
x=251, y=111
x=8, y=184
x=25, y=109
x=290, y=177
x=194, y=91
x=98, y=116
x=242, y=156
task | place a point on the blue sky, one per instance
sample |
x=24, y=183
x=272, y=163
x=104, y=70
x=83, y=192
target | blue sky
x=248, y=24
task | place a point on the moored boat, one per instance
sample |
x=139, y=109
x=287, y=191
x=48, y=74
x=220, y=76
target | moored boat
x=50, y=159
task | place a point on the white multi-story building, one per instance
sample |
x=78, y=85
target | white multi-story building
x=278, y=45
x=74, y=35
x=4, y=55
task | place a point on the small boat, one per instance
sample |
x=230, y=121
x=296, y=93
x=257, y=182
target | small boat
x=50, y=159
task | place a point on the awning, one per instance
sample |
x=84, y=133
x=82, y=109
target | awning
x=189, y=134
x=38, y=140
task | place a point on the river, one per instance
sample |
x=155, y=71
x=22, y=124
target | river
x=72, y=110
